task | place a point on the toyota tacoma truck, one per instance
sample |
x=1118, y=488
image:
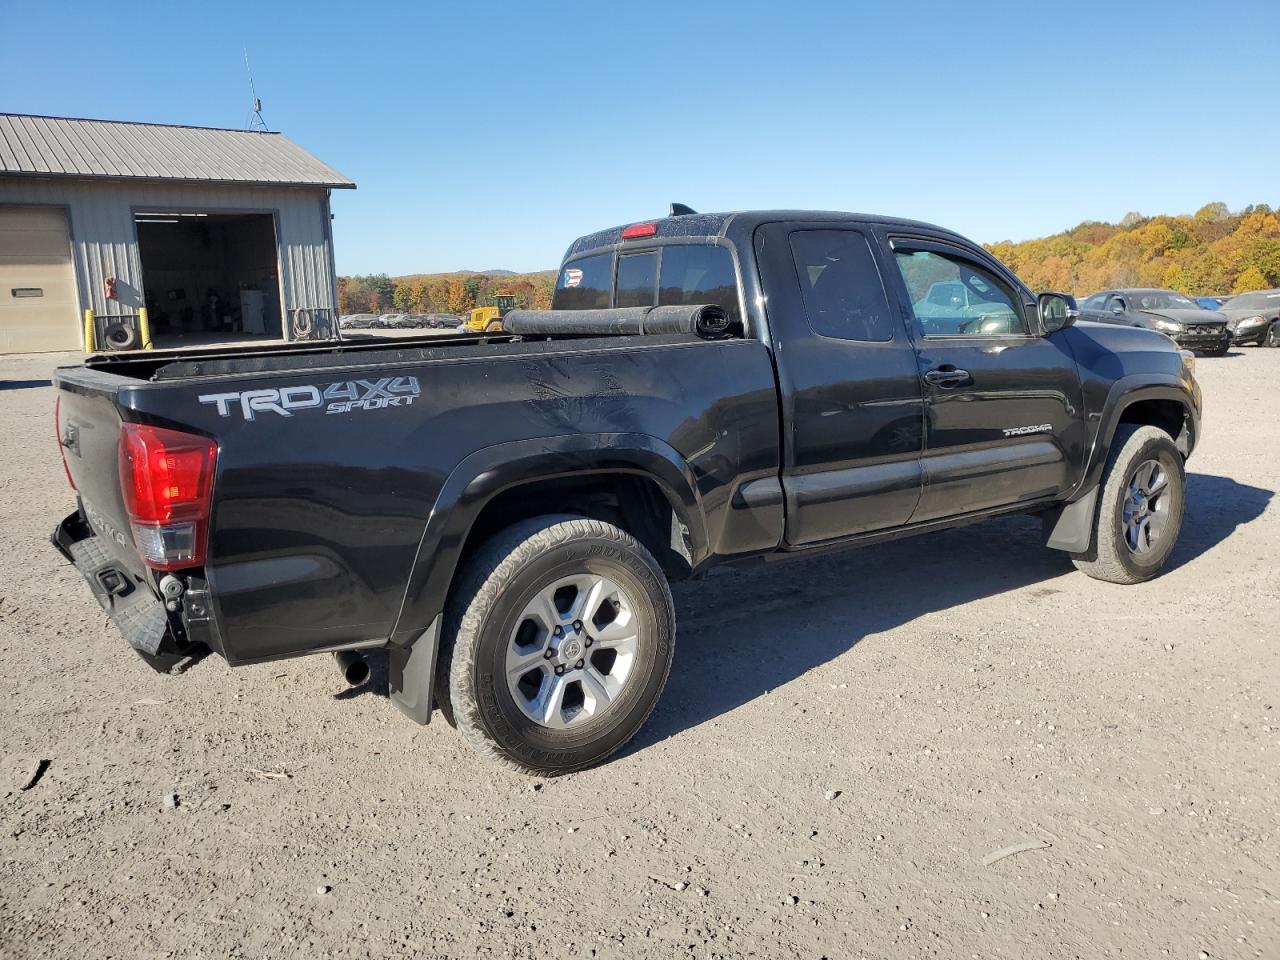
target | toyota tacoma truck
x=502, y=513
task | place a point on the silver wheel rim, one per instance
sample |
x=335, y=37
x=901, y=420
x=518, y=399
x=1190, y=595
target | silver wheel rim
x=572, y=651
x=1146, y=507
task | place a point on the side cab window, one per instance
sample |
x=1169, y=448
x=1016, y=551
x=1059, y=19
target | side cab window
x=954, y=296
x=840, y=284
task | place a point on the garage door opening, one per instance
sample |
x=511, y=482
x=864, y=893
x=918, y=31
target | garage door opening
x=209, y=277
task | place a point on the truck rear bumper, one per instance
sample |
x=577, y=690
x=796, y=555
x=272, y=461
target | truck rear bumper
x=136, y=611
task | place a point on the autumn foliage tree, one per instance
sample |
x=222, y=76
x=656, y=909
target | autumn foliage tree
x=452, y=293
x=1210, y=252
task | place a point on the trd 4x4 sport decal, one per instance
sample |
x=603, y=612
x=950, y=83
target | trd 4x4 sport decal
x=343, y=397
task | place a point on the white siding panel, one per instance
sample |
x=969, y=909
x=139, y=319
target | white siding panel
x=105, y=244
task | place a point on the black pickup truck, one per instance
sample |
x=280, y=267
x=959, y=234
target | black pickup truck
x=502, y=513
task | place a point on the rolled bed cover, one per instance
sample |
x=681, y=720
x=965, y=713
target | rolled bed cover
x=706, y=320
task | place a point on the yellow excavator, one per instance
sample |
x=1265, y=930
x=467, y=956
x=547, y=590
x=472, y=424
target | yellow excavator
x=489, y=319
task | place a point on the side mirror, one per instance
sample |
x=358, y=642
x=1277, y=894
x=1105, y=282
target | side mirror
x=1057, y=311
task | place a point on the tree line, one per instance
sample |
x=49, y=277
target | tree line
x=453, y=293
x=1212, y=252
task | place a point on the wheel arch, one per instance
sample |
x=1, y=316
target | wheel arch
x=617, y=477
x=1163, y=402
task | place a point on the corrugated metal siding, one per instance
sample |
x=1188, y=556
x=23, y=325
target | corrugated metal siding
x=61, y=146
x=104, y=240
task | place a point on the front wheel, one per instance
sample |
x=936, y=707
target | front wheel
x=494, y=326
x=1272, y=337
x=558, y=643
x=1140, y=507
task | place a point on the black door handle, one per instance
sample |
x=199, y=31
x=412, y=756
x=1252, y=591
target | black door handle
x=948, y=376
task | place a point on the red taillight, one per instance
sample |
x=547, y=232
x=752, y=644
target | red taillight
x=639, y=230
x=57, y=435
x=167, y=480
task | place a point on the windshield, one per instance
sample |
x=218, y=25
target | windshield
x=1254, y=301
x=1161, y=300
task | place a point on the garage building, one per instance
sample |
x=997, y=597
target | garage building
x=220, y=234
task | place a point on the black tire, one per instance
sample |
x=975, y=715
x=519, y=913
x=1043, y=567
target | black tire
x=120, y=335
x=493, y=326
x=1272, y=337
x=1110, y=557
x=485, y=610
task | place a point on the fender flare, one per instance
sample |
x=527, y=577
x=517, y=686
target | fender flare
x=482, y=475
x=1123, y=394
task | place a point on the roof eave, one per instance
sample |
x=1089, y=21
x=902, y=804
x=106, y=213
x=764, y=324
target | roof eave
x=115, y=178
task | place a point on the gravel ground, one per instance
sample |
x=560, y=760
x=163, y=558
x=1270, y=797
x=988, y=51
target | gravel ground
x=842, y=743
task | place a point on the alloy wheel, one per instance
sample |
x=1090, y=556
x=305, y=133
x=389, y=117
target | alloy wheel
x=572, y=651
x=1145, y=513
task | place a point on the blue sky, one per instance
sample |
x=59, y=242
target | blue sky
x=490, y=135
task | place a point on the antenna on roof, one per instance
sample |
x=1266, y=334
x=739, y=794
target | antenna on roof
x=253, y=120
x=681, y=210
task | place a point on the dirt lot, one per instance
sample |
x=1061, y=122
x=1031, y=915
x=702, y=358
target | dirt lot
x=842, y=743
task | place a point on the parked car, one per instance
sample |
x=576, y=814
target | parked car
x=1211, y=303
x=442, y=321
x=356, y=321
x=503, y=521
x=1254, y=317
x=1179, y=317
x=395, y=321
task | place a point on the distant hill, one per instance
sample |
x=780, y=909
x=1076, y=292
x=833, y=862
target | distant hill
x=1210, y=252
x=410, y=277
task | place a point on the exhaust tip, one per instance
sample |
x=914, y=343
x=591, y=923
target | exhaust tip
x=355, y=668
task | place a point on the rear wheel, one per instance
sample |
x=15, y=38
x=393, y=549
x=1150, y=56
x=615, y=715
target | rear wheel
x=1143, y=495
x=558, y=643
x=493, y=326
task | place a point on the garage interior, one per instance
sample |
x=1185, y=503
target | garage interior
x=209, y=275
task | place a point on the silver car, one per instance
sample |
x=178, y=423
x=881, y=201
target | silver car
x=1254, y=318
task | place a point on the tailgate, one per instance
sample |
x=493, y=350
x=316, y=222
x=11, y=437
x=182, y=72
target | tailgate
x=89, y=432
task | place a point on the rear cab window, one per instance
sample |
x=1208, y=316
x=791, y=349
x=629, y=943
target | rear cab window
x=584, y=284
x=698, y=274
x=668, y=275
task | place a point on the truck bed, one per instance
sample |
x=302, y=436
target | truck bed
x=321, y=510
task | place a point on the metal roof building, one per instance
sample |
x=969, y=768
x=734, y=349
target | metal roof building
x=217, y=233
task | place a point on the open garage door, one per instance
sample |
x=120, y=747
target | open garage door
x=39, y=307
x=209, y=277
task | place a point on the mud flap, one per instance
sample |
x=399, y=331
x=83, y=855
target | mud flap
x=1070, y=528
x=412, y=674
